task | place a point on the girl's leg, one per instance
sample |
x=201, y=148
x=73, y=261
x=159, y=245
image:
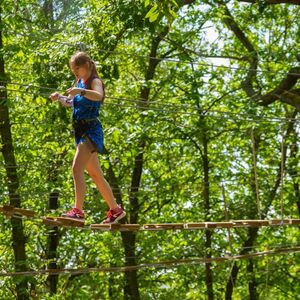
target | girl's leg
x=81, y=158
x=94, y=169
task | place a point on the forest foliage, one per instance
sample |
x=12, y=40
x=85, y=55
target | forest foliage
x=201, y=124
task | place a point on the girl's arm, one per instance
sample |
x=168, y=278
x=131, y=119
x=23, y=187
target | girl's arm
x=64, y=100
x=96, y=92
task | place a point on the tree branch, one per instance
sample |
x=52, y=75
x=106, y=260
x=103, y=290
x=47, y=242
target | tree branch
x=119, y=36
x=283, y=91
x=270, y=2
x=186, y=2
x=229, y=21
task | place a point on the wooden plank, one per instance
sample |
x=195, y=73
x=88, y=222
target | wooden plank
x=203, y=225
x=65, y=221
x=9, y=210
x=62, y=221
x=280, y=222
x=200, y=225
x=166, y=226
x=117, y=226
x=101, y=227
x=250, y=223
x=224, y=225
x=295, y=221
x=51, y=221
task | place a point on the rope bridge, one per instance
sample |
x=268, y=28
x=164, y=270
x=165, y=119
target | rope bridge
x=155, y=265
x=13, y=212
x=10, y=211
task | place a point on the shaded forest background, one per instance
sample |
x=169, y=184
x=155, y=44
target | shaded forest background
x=201, y=124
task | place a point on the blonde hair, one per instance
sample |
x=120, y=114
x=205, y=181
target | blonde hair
x=82, y=58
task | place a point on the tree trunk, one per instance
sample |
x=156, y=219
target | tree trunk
x=293, y=169
x=131, y=288
x=208, y=233
x=252, y=284
x=131, y=284
x=48, y=13
x=18, y=238
x=52, y=244
x=247, y=246
x=208, y=270
x=252, y=232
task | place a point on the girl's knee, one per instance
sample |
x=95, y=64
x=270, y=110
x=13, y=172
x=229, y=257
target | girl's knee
x=95, y=177
x=77, y=170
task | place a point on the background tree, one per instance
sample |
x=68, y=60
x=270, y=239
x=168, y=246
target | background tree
x=201, y=124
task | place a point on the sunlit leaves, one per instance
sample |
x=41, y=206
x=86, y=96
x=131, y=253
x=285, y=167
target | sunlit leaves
x=195, y=105
x=161, y=8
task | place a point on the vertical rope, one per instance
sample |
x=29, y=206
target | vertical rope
x=255, y=173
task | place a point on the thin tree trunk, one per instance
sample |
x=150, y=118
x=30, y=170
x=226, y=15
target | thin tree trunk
x=208, y=233
x=131, y=290
x=49, y=13
x=252, y=284
x=52, y=244
x=253, y=232
x=247, y=246
x=18, y=238
x=293, y=169
x=208, y=270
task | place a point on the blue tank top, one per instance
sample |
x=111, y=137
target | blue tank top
x=83, y=108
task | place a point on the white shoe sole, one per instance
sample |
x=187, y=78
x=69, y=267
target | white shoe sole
x=121, y=216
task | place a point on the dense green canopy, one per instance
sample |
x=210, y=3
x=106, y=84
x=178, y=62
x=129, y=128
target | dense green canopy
x=201, y=124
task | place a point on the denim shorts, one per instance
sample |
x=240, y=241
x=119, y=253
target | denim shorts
x=91, y=132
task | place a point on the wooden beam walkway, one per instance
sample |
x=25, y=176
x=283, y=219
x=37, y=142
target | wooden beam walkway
x=10, y=211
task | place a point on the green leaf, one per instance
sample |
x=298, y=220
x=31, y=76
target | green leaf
x=152, y=12
x=146, y=3
x=116, y=136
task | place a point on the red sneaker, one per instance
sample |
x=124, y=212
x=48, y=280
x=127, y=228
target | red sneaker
x=74, y=213
x=114, y=215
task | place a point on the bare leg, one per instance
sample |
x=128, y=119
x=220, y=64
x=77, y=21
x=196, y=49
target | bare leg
x=82, y=156
x=94, y=169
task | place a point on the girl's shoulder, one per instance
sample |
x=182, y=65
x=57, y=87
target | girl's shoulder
x=96, y=78
x=96, y=81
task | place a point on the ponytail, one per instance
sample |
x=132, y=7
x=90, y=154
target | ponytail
x=94, y=74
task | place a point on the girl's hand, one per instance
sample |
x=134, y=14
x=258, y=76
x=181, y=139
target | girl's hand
x=73, y=91
x=55, y=96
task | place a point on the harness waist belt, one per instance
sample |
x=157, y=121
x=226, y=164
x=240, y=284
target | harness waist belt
x=80, y=127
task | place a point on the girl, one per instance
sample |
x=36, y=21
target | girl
x=86, y=99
